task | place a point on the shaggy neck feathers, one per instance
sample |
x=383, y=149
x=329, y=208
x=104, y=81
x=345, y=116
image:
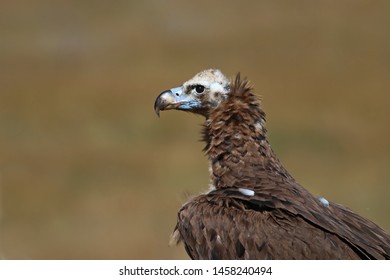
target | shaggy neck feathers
x=236, y=140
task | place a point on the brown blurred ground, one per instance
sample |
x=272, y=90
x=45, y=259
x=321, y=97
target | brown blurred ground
x=88, y=171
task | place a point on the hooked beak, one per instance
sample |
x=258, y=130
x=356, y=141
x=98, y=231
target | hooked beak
x=174, y=99
x=168, y=100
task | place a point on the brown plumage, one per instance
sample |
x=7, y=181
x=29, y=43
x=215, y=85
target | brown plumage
x=254, y=208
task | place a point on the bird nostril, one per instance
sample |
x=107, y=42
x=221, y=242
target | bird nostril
x=177, y=94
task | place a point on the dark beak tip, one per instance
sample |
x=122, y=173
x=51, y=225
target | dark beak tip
x=157, y=106
x=160, y=104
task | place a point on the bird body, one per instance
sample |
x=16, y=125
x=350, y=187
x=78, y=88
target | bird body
x=254, y=208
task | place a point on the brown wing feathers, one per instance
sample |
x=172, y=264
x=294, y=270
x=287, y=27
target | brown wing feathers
x=255, y=209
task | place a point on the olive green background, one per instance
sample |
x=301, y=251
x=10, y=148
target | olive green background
x=88, y=171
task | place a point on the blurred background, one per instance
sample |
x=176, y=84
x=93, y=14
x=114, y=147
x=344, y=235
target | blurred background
x=88, y=171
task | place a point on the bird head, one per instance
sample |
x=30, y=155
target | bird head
x=205, y=91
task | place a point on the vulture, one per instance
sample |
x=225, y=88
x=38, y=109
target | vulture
x=254, y=208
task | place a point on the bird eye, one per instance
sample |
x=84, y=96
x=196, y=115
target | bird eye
x=199, y=88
